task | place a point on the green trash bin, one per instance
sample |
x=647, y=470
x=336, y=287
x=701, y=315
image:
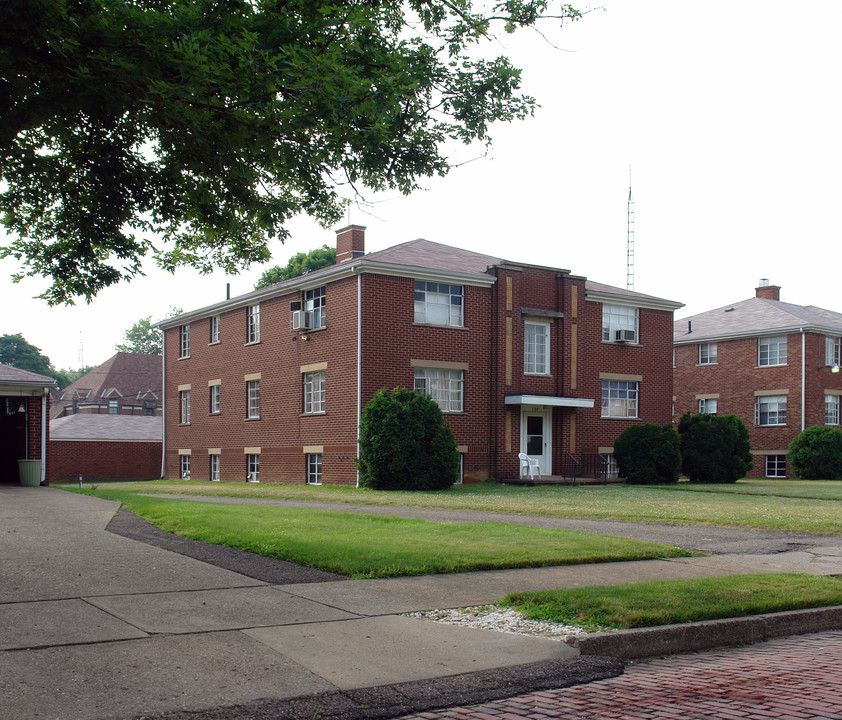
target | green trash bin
x=30, y=472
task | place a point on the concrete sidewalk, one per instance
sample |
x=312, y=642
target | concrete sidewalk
x=95, y=625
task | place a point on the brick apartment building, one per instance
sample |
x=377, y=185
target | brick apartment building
x=125, y=384
x=269, y=386
x=773, y=364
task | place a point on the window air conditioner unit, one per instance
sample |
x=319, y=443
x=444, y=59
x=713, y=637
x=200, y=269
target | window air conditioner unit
x=301, y=320
x=624, y=335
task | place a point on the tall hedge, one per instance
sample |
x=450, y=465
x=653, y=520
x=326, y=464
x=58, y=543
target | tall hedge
x=648, y=454
x=714, y=448
x=406, y=444
x=816, y=453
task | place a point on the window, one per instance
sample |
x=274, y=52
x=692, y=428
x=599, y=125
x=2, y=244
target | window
x=314, y=392
x=253, y=399
x=253, y=467
x=609, y=466
x=184, y=339
x=707, y=353
x=214, y=468
x=113, y=407
x=214, y=329
x=443, y=386
x=771, y=351
x=619, y=323
x=253, y=325
x=438, y=304
x=148, y=408
x=184, y=403
x=619, y=398
x=708, y=406
x=770, y=410
x=185, y=466
x=536, y=348
x=314, y=306
x=831, y=350
x=314, y=469
x=776, y=466
x=215, y=393
x=831, y=409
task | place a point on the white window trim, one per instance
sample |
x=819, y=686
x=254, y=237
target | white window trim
x=423, y=375
x=611, y=315
x=780, y=340
x=184, y=341
x=708, y=361
x=253, y=408
x=765, y=400
x=310, y=459
x=253, y=324
x=315, y=400
x=184, y=407
x=545, y=360
x=214, y=330
x=454, y=318
x=627, y=401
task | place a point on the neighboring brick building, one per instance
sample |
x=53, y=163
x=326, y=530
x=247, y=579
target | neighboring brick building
x=270, y=385
x=773, y=364
x=125, y=384
x=104, y=447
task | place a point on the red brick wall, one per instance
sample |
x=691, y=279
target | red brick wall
x=390, y=342
x=100, y=461
x=33, y=417
x=282, y=431
x=736, y=376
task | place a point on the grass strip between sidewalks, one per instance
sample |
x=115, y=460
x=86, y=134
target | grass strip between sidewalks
x=649, y=604
x=783, y=505
x=369, y=546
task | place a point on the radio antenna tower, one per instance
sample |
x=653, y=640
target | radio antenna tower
x=630, y=239
x=81, y=352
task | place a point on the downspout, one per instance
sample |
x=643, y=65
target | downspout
x=163, y=401
x=493, y=371
x=803, y=375
x=44, y=435
x=359, y=365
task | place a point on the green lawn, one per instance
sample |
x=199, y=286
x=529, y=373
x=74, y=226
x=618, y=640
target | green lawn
x=367, y=546
x=802, y=506
x=666, y=602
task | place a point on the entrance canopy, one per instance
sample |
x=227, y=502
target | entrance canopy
x=549, y=401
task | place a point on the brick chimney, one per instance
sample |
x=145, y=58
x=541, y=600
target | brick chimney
x=350, y=243
x=766, y=291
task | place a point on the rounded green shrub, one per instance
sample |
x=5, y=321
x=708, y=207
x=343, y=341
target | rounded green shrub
x=816, y=453
x=648, y=454
x=406, y=444
x=714, y=448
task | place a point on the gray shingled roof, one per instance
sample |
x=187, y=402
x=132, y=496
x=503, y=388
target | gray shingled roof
x=755, y=316
x=434, y=256
x=15, y=376
x=108, y=428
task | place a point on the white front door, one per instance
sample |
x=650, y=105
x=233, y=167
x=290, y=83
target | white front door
x=536, y=435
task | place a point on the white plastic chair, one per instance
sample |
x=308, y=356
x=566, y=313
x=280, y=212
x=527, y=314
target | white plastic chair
x=530, y=465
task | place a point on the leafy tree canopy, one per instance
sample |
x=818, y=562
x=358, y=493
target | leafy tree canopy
x=298, y=264
x=16, y=351
x=195, y=129
x=142, y=337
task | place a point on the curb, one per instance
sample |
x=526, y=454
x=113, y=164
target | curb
x=690, y=637
x=392, y=701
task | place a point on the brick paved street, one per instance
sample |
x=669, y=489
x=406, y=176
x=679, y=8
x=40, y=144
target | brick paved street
x=796, y=678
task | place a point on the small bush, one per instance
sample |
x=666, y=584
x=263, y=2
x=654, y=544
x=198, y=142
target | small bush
x=816, y=453
x=714, y=448
x=648, y=454
x=406, y=444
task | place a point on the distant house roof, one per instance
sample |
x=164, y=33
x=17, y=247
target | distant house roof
x=126, y=375
x=13, y=379
x=445, y=263
x=755, y=316
x=107, y=428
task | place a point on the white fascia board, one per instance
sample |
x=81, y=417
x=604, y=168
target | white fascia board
x=636, y=302
x=322, y=277
x=692, y=338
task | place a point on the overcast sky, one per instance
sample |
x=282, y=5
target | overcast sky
x=729, y=114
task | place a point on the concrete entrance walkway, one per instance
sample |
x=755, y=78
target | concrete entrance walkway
x=95, y=625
